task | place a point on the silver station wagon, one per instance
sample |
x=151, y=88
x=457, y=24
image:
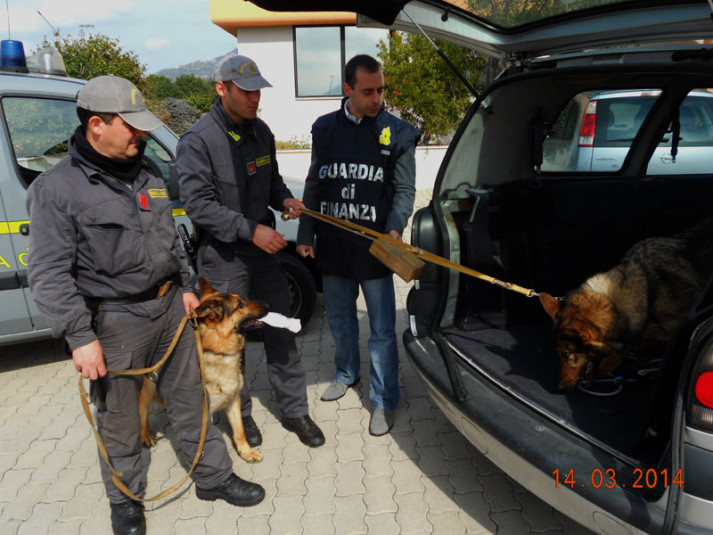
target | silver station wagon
x=595, y=135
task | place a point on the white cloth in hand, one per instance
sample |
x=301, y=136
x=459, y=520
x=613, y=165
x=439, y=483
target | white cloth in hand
x=283, y=322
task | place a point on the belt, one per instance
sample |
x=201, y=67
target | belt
x=158, y=291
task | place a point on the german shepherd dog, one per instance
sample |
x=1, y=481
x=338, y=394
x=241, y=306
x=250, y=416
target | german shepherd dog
x=222, y=319
x=642, y=299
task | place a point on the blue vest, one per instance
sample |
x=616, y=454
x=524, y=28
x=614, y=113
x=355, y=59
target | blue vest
x=355, y=170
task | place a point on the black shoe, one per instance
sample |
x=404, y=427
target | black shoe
x=235, y=491
x=127, y=518
x=252, y=433
x=310, y=435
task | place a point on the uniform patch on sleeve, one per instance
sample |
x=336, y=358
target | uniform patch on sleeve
x=143, y=201
x=252, y=168
x=263, y=160
x=158, y=193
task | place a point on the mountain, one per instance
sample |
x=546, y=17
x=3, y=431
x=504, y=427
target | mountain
x=200, y=68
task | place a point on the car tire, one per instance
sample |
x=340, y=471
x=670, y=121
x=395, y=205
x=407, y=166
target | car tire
x=303, y=290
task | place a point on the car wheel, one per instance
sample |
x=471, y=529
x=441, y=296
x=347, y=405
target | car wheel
x=303, y=291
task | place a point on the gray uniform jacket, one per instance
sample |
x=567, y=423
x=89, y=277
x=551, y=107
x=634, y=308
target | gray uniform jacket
x=93, y=236
x=228, y=177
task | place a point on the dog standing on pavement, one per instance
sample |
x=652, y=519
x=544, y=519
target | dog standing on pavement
x=222, y=319
x=642, y=299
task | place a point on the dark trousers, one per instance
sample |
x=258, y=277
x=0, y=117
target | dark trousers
x=260, y=278
x=137, y=336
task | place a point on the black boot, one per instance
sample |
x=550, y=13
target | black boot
x=235, y=491
x=305, y=428
x=252, y=432
x=127, y=518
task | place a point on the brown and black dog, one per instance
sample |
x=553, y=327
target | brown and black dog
x=221, y=320
x=642, y=299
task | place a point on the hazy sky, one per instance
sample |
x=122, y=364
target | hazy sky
x=162, y=33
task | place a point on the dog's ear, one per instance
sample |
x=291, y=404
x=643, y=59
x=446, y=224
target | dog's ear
x=551, y=304
x=205, y=286
x=212, y=310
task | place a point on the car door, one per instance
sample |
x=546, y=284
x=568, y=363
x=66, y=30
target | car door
x=38, y=129
x=14, y=313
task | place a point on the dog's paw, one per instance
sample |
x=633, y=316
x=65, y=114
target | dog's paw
x=250, y=455
x=148, y=438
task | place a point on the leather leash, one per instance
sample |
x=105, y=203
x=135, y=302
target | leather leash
x=417, y=251
x=116, y=476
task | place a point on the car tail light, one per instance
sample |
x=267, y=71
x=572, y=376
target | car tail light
x=700, y=405
x=586, y=132
x=704, y=389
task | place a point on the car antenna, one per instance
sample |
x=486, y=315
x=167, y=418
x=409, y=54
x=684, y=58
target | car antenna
x=7, y=8
x=48, y=22
x=445, y=58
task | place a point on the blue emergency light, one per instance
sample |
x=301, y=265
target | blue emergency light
x=12, y=56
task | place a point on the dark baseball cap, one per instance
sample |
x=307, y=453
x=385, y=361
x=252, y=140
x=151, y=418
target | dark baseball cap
x=242, y=71
x=114, y=94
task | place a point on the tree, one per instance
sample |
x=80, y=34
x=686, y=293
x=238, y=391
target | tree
x=89, y=55
x=198, y=91
x=159, y=87
x=421, y=86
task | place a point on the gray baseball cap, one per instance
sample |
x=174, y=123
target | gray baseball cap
x=113, y=94
x=242, y=71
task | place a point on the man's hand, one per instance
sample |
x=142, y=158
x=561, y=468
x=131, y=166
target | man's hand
x=305, y=250
x=190, y=302
x=395, y=235
x=89, y=360
x=293, y=206
x=268, y=239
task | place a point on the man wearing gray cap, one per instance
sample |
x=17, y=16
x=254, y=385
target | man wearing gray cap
x=108, y=272
x=228, y=176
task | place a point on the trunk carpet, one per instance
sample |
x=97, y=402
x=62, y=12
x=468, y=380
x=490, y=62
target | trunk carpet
x=523, y=358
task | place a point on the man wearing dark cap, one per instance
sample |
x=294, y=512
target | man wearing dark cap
x=228, y=176
x=108, y=272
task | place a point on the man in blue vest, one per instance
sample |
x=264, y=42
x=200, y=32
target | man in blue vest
x=363, y=169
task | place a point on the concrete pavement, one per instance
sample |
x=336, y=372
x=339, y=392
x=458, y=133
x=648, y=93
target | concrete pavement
x=422, y=478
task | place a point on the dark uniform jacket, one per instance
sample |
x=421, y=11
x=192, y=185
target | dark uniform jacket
x=352, y=176
x=228, y=177
x=93, y=236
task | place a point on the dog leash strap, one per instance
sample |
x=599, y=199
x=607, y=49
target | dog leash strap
x=116, y=476
x=417, y=251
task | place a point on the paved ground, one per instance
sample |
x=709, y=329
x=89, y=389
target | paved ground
x=422, y=478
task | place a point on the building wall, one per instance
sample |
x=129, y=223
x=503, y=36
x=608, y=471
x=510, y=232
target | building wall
x=288, y=117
